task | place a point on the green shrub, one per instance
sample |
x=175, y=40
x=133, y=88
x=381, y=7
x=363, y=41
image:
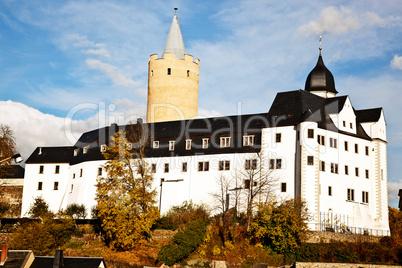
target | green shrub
x=183, y=243
x=178, y=216
x=76, y=211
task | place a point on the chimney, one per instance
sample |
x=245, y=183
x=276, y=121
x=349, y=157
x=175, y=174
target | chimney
x=4, y=251
x=58, y=259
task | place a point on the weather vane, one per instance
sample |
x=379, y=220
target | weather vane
x=320, y=43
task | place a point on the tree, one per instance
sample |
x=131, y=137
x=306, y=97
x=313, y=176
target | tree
x=126, y=203
x=281, y=226
x=7, y=148
x=43, y=237
x=39, y=209
x=76, y=211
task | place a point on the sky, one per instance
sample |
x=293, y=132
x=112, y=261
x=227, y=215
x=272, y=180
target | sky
x=67, y=67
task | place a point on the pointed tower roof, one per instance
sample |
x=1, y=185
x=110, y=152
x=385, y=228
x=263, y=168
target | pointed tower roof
x=320, y=78
x=174, y=42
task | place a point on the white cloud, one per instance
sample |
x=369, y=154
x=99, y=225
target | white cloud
x=396, y=62
x=101, y=52
x=332, y=21
x=393, y=190
x=112, y=71
x=373, y=19
x=32, y=128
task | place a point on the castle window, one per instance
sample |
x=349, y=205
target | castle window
x=71, y=188
x=169, y=71
x=321, y=139
x=153, y=168
x=275, y=163
x=103, y=148
x=248, y=140
x=155, y=144
x=351, y=125
x=152, y=72
x=224, y=165
x=351, y=195
x=322, y=165
x=40, y=185
x=356, y=148
x=56, y=186
x=283, y=187
x=81, y=172
x=310, y=133
x=188, y=144
x=357, y=172
x=73, y=175
x=188, y=73
x=166, y=168
x=365, y=197
x=333, y=143
x=367, y=173
x=310, y=160
x=225, y=142
x=247, y=184
x=344, y=123
x=171, y=145
x=278, y=137
x=41, y=168
x=57, y=169
x=346, y=170
x=203, y=166
x=367, y=150
x=205, y=143
x=99, y=171
x=250, y=164
x=334, y=168
x=330, y=190
x=184, y=167
x=346, y=146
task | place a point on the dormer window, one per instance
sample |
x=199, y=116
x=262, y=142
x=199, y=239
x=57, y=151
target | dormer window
x=103, y=148
x=76, y=151
x=248, y=140
x=188, y=144
x=225, y=142
x=155, y=144
x=85, y=149
x=171, y=145
x=205, y=143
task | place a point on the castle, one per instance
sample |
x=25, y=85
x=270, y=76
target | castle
x=311, y=144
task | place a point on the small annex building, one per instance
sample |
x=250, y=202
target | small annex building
x=313, y=144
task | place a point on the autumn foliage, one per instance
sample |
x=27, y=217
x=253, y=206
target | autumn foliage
x=126, y=201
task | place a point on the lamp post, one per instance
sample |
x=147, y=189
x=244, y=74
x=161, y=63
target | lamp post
x=17, y=159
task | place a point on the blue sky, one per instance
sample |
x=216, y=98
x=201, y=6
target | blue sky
x=71, y=66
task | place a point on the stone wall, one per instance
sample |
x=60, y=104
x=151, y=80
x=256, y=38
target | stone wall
x=317, y=237
x=12, y=195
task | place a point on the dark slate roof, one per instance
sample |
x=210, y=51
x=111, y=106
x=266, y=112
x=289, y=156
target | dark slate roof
x=69, y=262
x=288, y=109
x=368, y=115
x=320, y=78
x=14, y=172
x=17, y=258
x=51, y=155
x=293, y=107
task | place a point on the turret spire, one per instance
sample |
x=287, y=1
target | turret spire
x=174, y=42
